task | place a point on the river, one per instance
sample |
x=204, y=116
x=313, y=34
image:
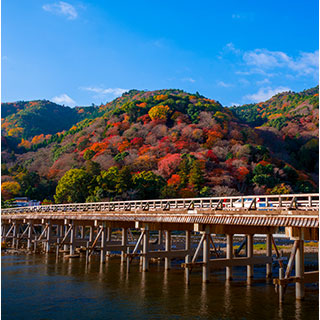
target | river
x=39, y=287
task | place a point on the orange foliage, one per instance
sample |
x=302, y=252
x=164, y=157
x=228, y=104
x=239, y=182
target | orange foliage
x=241, y=173
x=37, y=139
x=161, y=97
x=25, y=143
x=175, y=180
x=142, y=105
x=124, y=145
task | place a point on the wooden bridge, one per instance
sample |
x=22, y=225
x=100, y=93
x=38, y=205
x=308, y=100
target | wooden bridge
x=71, y=228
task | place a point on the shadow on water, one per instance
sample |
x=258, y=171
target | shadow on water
x=41, y=287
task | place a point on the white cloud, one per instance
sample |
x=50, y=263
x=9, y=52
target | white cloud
x=264, y=81
x=234, y=104
x=62, y=8
x=262, y=59
x=224, y=84
x=188, y=80
x=101, y=91
x=64, y=99
x=231, y=47
x=264, y=94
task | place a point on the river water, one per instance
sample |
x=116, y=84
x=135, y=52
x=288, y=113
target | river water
x=39, y=287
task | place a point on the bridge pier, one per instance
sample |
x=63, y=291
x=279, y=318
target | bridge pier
x=124, y=242
x=145, y=250
x=47, y=244
x=249, y=255
x=14, y=236
x=299, y=265
x=103, y=245
x=160, y=237
x=269, y=254
x=167, y=260
x=206, y=256
x=188, y=257
x=229, y=255
x=72, y=238
x=108, y=239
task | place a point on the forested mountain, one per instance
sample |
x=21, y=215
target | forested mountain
x=26, y=119
x=167, y=143
x=289, y=124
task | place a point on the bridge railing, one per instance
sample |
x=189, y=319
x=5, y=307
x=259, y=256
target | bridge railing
x=256, y=202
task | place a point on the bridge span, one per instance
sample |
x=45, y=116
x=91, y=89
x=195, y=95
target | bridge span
x=87, y=227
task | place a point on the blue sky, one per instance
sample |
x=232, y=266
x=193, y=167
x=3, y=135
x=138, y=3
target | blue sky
x=84, y=52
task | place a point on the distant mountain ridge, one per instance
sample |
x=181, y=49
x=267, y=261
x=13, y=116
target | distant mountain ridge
x=25, y=119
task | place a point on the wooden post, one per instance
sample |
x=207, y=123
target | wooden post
x=72, y=237
x=128, y=259
x=145, y=250
x=160, y=237
x=229, y=255
x=65, y=246
x=109, y=232
x=90, y=234
x=124, y=242
x=81, y=232
x=48, y=237
x=29, y=236
x=281, y=287
x=206, y=257
x=57, y=249
x=269, y=254
x=167, y=260
x=188, y=258
x=299, y=266
x=87, y=252
x=14, y=234
x=103, y=245
x=250, y=255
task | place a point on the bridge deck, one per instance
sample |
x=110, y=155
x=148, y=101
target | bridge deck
x=297, y=210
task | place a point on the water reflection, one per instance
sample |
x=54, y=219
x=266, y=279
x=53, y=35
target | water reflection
x=298, y=310
x=204, y=300
x=227, y=298
x=33, y=284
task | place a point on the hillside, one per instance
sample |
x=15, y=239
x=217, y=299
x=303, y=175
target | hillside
x=289, y=125
x=163, y=143
x=26, y=119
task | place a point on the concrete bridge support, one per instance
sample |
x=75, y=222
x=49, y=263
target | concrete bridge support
x=249, y=255
x=72, y=238
x=167, y=260
x=269, y=254
x=47, y=244
x=229, y=255
x=103, y=245
x=29, y=243
x=299, y=265
x=145, y=250
x=124, y=242
x=188, y=257
x=206, y=256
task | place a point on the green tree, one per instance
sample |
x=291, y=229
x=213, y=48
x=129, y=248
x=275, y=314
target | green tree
x=148, y=184
x=196, y=178
x=73, y=187
x=124, y=180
